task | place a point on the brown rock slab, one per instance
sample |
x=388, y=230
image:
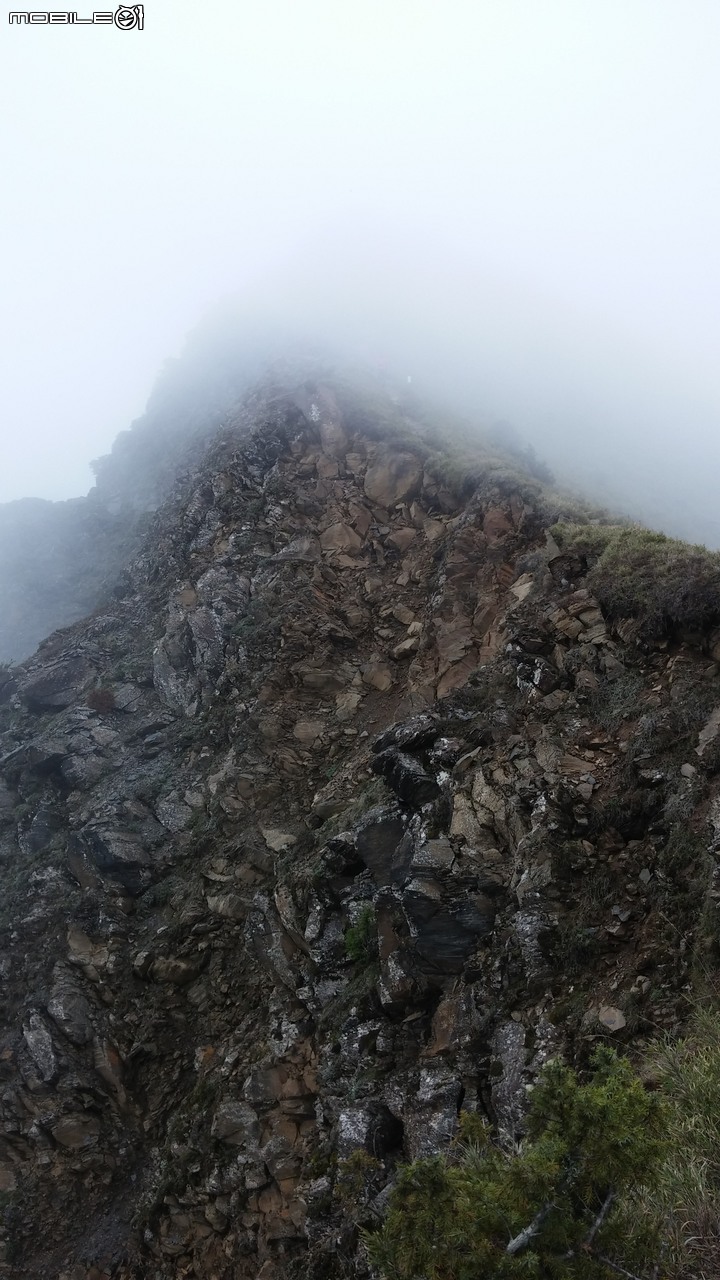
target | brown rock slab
x=308, y=731
x=401, y=539
x=406, y=648
x=77, y=1131
x=340, y=537
x=611, y=1018
x=88, y=955
x=496, y=524
x=173, y=970
x=522, y=588
x=393, y=477
x=378, y=675
x=458, y=674
x=361, y=518
x=276, y=839
x=229, y=906
x=236, y=1123
x=56, y=685
x=347, y=704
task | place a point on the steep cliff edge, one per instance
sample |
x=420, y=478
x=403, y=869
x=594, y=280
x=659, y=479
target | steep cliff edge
x=59, y=560
x=353, y=807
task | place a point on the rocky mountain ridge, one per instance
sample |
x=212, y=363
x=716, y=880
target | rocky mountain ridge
x=352, y=807
x=59, y=560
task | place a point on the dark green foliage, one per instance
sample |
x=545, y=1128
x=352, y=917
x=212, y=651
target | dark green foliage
x=692, y=702
x=453, y=1218
x=568, y=857
x=361, y=938
x=358, y=1180
x=578, y=939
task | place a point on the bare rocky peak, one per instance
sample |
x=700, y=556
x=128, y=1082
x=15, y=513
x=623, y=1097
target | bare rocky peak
x=347, y=810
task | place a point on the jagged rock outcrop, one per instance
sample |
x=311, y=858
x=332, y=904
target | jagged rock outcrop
x=350, y=811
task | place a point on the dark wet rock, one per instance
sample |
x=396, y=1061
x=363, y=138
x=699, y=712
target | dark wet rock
x=117, y=854
x=174, y=970
x=38, y=1040
x=447, y=931
x=280, y=1158
x=433, y=857
x=130, y=699
x=69, y=1008
x=41, y=756
x=8, y=801
x=565, y=569
x=82, y=772
x=173, y=677
x=406, y=777
x=43, y=829
x=416, y=734
x=56, y=685
x=431, y=1115
x=508, y=1095
x=401, y=983
x=445, y=752
x=384, y=844
x=369, y=1126
x=341, y=861
x=173, y=812
x=460, y=1022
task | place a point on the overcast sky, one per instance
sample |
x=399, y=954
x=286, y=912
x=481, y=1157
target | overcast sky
x=535, y=182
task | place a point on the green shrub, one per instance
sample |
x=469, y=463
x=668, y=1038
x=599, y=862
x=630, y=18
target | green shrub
x=358, y=1180
x=585, y=539
x=547, y=1210
x=361, y=942
x=102, y=700
x=617, y=700
x=637, y=573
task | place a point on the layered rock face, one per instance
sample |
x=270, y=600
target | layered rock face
x=349, y=812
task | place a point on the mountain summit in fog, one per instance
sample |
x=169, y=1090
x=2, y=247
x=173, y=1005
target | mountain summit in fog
x=380, y=777
x=58, y=560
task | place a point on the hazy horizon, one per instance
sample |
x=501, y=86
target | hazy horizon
x=518, y=202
